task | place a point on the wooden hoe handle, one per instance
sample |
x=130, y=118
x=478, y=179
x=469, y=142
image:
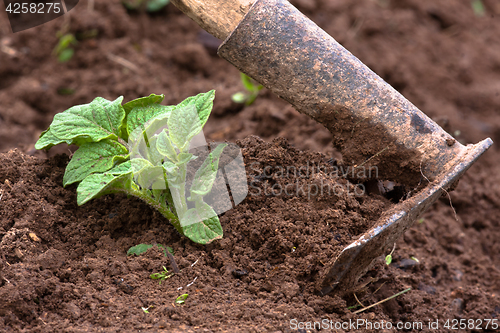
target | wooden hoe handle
x=217, y=17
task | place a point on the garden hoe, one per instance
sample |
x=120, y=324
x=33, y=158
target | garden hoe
x=372, y=124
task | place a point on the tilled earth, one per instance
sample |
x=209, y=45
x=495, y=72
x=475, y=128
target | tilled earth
x=64, y=268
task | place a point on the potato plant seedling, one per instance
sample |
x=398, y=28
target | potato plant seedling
x=129, y=149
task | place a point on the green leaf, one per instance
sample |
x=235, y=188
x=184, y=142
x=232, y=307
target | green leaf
x=64, y=42
x=148, y=175
x=65, y=55
x=99, y=184
x=139, y=163
x=142, y=146
x=173, y=175
x=143, y=102
x=165, y=147
x=132, y=4
x=239, y=97
x=181, y=299
x=139, y=249
x=203, y=102
x=140, y=115
x=478, y=8
x=101, y=119
x=162, y=275
x=186, y=123
x=184, y=158
x=183, y=125
x=388, y=259
x=247, y=82
x=166, y=248
x=205, y=176
x=121, y=169
x=47, y=139
x=151, y=177
x=152, y=153
x=171, y=168
x=142, y=248
x=201, y=224
x=156, y=5
x=94, y=157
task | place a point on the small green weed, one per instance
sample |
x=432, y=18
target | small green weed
x=146, y=310
x=161, y=275
x=181, y=299
x=388, y=258
x=478, y=8
x=252, y=91
x=64, y=49
x=150, y=6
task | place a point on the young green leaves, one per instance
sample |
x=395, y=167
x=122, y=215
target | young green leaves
x=165, y=274
x=99, y=120
x=252, y=91
x=160, y=157
x=142, y=148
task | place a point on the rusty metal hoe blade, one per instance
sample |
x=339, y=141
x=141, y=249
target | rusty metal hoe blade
x=372, y=124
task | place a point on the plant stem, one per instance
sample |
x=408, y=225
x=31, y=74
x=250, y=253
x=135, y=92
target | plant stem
x=159, y=206
x=183, y=189
x=178, y=192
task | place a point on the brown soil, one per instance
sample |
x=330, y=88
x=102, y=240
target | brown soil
x=64, y=268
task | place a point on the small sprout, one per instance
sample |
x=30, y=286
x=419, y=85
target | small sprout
x=420, y=221
x=181, y=299
x=478, y=8
x=413, y=258
x=252, y=91
x=65, y=91
x=162, y=275
x=388, y=258
x=294, y=248
x=63, y=50
x=165, y=249
x=239, y=97
x=352, y=307
x=146, y=310
x=150, y=6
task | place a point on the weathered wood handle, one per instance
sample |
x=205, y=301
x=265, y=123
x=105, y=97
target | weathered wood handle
x=217, y=17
